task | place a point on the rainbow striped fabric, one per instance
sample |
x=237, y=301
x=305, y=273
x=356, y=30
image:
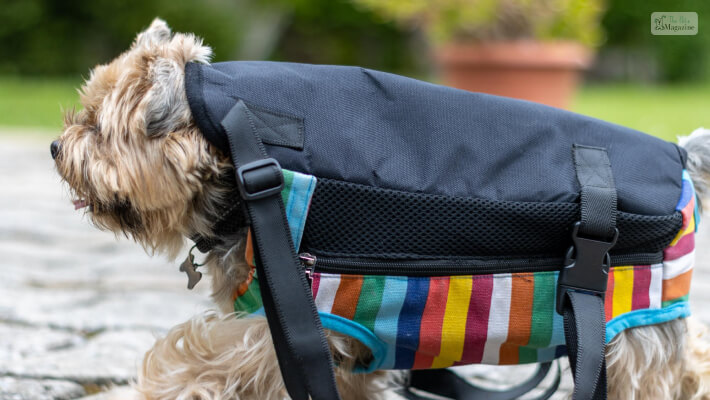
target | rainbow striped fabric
x=296, y=195
x=436, y=322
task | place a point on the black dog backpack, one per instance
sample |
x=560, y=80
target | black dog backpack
x=441, y=227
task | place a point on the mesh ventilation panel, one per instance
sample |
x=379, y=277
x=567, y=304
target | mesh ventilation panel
x=347, y=219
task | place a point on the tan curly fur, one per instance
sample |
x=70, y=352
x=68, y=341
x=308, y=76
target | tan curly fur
x=212, y=357
x=135, y=156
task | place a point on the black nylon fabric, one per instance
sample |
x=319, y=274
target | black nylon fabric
x=391, y=132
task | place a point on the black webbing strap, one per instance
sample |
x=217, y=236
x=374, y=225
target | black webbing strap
x=444, y=382
x=582, y=282
x=585, y=344
x=301, y=348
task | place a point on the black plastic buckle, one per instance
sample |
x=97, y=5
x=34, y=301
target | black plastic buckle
x=258, y=179
x=586, y=266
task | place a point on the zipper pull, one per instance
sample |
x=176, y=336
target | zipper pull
x=309, y=261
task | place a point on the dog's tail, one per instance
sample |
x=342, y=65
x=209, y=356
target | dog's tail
x=698, y=147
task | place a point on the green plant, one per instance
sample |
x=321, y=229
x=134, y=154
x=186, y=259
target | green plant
x=444, y=20
x=65, y=37
x=339, y=32
x=677, y=58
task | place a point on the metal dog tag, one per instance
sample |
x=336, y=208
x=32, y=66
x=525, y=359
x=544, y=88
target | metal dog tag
x=188, y=266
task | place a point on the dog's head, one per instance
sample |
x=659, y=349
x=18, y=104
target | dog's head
x=133, y=155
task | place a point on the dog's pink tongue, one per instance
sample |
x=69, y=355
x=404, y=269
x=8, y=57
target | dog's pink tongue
x=80, y=204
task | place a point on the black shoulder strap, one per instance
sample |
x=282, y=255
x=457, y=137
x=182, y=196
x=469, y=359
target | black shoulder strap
x=582, y=282
x=301, y=348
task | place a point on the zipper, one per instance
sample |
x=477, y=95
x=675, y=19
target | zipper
x=469, y=266
x=636, y=259
x=309, y=262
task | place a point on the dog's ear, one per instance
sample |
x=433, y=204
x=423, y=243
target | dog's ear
x=164, y=56
x=166, y=105
x=158, y=32
x=189, y=48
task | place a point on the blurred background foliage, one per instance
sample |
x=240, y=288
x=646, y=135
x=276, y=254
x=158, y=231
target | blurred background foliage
x=60, y=38
x=51, y=37
x=444, y=20
x=637, y=55
x=48, y=46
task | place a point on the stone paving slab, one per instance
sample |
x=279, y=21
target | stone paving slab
x=26, y=389
x=93, y=310
x=27, y=341
x=80, y=307
x=113, y=393
x=109, y=357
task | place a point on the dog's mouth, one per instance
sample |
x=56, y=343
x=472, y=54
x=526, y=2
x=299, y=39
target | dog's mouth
x=119, y=214
x=81, y=203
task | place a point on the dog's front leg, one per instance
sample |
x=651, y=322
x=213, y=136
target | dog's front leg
x=213, y=357
x=224, y=357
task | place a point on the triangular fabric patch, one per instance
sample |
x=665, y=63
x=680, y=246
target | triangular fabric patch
x=277, y=129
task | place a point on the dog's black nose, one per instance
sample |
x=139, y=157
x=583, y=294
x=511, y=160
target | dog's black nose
x=54, y=148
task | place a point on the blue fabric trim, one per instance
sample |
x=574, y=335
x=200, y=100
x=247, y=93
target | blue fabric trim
x=365, y=336
x=647, y=316
x=258, y=313
x=302, y=188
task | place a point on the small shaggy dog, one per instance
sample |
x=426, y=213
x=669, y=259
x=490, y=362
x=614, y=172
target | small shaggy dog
x=136, y=160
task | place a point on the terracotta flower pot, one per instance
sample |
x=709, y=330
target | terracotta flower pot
x=545, y=72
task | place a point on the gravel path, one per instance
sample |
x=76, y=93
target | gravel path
x=79, y=307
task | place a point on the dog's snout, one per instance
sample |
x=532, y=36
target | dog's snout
x=54, y=148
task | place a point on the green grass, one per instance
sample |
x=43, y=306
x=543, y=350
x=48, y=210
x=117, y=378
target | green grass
x=664, y=111
x=36, y=103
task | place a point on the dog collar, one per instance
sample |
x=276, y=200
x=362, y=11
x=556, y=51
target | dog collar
x=232, y=218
